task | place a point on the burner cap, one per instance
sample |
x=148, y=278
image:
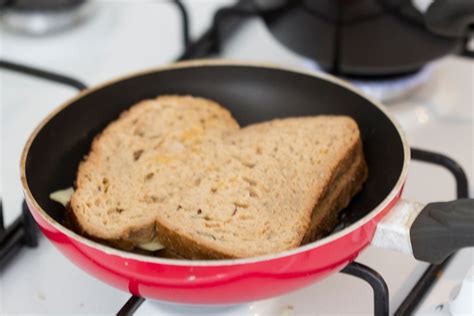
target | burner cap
x=43, y=17
x=44, y=5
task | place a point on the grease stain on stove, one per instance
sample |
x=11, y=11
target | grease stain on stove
x=287, y=310
x=41, y=296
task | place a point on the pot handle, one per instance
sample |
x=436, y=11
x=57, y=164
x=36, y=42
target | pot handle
x=451, y=19
x=429, y=232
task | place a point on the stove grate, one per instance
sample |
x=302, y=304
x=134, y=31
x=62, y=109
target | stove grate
x=23, y=230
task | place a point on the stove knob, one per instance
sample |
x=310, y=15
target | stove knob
x=462, y=297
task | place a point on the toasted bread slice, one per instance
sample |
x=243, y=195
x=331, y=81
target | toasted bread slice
x=180, y=170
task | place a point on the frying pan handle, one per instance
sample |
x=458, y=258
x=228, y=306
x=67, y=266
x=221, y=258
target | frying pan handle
x=429, y=232
x=442, y=228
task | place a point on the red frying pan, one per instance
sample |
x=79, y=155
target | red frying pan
x=253, y=93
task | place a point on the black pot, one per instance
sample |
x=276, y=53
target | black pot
x=370, y=37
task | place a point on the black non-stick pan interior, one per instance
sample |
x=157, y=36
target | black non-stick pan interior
x=252, y=94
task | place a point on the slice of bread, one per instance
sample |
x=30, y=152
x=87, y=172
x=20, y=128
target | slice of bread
x=180, y=169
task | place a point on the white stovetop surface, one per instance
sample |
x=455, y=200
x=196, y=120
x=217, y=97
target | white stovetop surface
x=126, y=36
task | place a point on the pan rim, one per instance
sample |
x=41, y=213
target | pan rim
x=225, y=262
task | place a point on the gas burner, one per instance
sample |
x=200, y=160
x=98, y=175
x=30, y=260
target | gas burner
x=394, y=89
x=44, y=17
x=386, y=89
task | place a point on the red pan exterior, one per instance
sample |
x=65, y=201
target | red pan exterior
x=213, y=284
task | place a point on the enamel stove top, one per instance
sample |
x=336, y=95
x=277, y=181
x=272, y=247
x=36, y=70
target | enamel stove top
x=437, y=116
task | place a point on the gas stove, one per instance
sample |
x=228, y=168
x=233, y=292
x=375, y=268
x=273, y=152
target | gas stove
x=436, y=114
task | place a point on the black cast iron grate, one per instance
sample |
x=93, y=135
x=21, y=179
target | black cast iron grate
x=23, y=231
